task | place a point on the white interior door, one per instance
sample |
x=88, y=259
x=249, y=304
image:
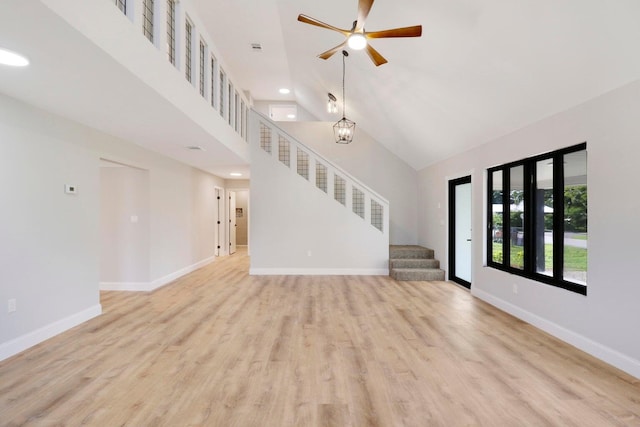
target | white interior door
x=232, y=222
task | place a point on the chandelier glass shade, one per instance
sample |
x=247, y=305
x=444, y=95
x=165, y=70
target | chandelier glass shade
x=332, y=107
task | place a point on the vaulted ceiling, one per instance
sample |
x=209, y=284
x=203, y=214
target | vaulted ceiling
x=481, y=69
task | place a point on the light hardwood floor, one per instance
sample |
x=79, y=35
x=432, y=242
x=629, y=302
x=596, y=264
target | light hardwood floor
x=221, y=348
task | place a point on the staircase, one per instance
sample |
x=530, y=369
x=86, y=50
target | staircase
x=413, y=263
x=314, y=217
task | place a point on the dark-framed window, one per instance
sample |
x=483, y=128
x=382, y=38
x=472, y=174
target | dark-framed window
x=171, y=31
x=122, y=5
x=202, y=69
x=188, y=46
x=223, y=82
x=147, y=19
x=214, y=64
x=537, y=218
x=230, y=106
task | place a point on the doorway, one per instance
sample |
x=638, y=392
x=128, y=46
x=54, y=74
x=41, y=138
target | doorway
x=460, y=231
x=124, y=227
x=242, y=218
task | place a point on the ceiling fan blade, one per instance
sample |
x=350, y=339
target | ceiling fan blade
x=312, y=21
x=364, y=7
x=415, y=31
x=375, y=56
x=328, y=54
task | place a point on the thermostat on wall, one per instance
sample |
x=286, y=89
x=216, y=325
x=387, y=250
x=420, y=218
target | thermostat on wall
x=70, y=189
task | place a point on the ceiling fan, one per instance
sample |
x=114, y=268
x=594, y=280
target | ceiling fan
x=357, y=37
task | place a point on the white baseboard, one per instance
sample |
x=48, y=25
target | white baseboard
x=319, y=271
x=158, y=283
x=600, y=351
x=15, y=346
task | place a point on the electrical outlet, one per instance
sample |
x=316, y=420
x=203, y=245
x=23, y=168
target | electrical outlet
x=11, y=305
x=309, y=253
x=515, y=288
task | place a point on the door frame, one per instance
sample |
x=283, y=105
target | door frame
x=451, y=185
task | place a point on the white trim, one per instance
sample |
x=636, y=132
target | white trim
x=17, y=345
x=319, y=272
x=158, y=283
x=600, y=351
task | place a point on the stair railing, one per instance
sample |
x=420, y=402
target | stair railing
x=320, y=172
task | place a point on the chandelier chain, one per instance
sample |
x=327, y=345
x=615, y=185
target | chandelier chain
x=344, y=101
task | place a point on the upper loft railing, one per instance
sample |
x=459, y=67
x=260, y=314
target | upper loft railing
x=174, y=29
x=320, y=172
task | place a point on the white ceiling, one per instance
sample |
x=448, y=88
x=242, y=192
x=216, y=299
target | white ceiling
x=480, y=70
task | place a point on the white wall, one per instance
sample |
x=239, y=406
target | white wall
x=50, y=241
x=372, y=164
x=296, y=228
x=603, y=322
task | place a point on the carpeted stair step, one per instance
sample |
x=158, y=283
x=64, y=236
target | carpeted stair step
x=417, y=274
x=414, y=263
x=409, y=251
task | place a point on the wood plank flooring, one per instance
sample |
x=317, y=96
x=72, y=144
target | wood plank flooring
x=221, y=348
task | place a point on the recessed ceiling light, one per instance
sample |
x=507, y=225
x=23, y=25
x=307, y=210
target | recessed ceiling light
x=291, y=116
x=13, y=59
x=235, y=174
x=284, y=91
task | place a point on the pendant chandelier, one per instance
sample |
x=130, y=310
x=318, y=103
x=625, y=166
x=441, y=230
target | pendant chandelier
x=345, y=128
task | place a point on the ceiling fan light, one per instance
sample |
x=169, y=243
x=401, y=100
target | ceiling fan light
x=357, y=41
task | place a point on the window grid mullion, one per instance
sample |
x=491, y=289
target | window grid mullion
x=528, y=226
x=558, y=216
x=490, y=224
x=506, y=217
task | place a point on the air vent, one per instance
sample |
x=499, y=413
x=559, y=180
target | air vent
x=256, y=47
x=195, y=148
